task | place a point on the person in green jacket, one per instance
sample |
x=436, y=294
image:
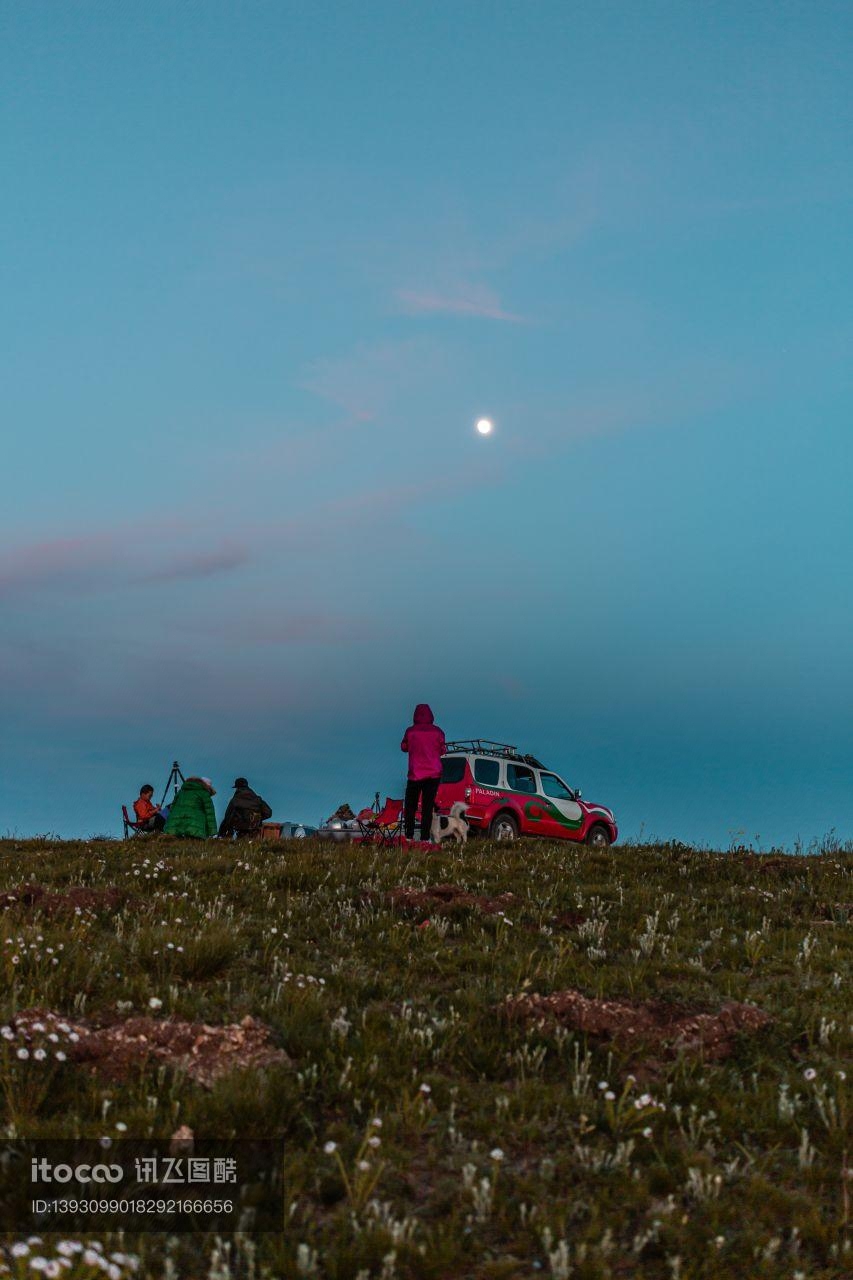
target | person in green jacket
x=192, y=814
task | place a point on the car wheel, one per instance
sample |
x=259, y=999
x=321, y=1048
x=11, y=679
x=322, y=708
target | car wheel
x=598, y=837
x=503, y=827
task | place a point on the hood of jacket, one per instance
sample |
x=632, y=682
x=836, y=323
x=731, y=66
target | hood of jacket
x=423, y=714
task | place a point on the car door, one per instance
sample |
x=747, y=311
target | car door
x=562, y=815
x=522, y=789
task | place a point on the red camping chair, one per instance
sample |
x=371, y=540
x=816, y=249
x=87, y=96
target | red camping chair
x=384, y=828
x=131, y=828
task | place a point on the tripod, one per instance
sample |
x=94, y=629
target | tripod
x=172, y=781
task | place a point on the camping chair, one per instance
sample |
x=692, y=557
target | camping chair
x=385, y=827
x=131, y=828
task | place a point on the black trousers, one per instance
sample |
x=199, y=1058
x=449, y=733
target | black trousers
x=424, y=789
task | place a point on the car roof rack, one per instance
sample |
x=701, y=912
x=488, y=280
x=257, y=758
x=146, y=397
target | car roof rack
x=485, y=747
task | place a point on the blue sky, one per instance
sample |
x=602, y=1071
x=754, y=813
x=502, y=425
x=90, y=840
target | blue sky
x=263, y=265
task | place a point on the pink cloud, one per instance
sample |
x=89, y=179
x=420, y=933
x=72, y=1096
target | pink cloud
x=106, y=560
x=467, y=300
x=366, y=381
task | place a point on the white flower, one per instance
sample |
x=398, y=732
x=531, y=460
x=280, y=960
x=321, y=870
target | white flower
x=376, y=1122
x=647, y=1133
x=19, y=1250
x=496, y=1154
x=603, y=1084
x=374, y=1142
x=60, y=1056
x=842, y=1075
x=121, y=1126
x=330, y=1148
x=52, y=1268
x=23, y=1054
x=809, y=1074
x=38, y=1264
x=73, y=1037
x=40, y=1055
x=91, y=1258
x=154, y=1003
x=7, y=1033
x=16, y=959
x=425, y=1088
x=364, y=1165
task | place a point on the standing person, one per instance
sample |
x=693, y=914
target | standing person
x=424, y=742
x=192, y=814
x=245, y=813
x=149, y=815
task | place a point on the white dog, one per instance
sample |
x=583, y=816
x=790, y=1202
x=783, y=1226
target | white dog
x=450, y=824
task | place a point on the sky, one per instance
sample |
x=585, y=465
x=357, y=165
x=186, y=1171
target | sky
x=263, y=265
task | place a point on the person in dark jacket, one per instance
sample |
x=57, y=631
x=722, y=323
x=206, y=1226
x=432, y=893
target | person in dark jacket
x=424, y=742
x=245, y=813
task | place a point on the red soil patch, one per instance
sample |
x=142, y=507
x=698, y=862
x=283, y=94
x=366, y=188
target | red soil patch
x=671, y=1029
x=67, y=902
x=447, y=898
x=568, y=920
x=204, y=1052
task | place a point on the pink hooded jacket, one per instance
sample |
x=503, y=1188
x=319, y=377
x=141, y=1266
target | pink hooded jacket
x=424, y=742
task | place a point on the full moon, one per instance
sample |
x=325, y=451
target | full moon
x=485, y=426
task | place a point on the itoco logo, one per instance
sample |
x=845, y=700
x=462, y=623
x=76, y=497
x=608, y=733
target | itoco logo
x=43, y=1171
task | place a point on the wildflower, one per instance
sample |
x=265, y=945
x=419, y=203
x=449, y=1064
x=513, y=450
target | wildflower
x=40, y=1055
x=374, y=1142
x=496, y=1154
x=376, y=1122
x=23, y=1054
x=155, y=1004
x=842, y=1075
x=38, y=1264
x=809, y=1073
x=7, y=1033
x=425, y=1089
x=364, y=1165
x=38, y=1026
x=16, y=959
x=603, y=1084
x=647, y=1133
x=610, y=1095
x=121, y=1126
x=60, y=1056
x=19, y=1250
x=330, y=1148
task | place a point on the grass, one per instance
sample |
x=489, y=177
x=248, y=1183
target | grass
x=504, y=1149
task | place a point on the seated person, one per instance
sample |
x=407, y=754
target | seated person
x=148, y=815
x=245, y=813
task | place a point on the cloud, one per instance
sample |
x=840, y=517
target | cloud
x=467, y=300
x=103, y=561
x=365, y=382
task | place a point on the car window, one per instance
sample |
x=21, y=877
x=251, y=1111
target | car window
x=555, y=788
x=488, y=772
x=453, y=769
x=520, y=778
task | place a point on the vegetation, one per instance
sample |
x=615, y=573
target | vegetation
x=430, y=1131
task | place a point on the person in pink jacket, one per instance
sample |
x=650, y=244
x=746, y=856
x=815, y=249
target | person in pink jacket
x=424, y=742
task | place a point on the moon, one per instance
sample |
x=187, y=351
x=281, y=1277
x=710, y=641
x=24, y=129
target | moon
x=485, y=426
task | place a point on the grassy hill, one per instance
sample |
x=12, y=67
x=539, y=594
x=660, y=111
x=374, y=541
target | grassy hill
x=678, y=1108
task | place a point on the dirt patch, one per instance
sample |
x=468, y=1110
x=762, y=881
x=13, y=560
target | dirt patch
x=72, y=901
x=568, y=920
x=446, y=899
x=204, y=1052
x=669, y=1029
